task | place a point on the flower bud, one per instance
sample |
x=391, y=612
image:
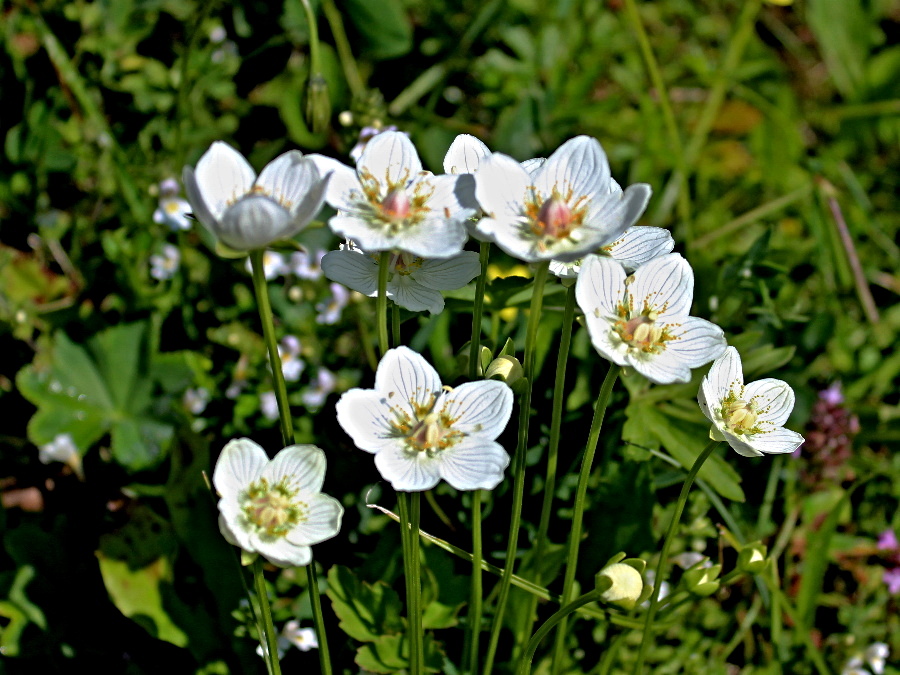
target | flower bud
x=752, y=558
x=318, y=104
x=506, y=369
x=702, y=581
x=622, y=584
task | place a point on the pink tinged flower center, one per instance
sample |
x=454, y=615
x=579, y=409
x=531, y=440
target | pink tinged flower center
x=396, y=204
x=556, y=218
x=643, y=332
x=272, y=510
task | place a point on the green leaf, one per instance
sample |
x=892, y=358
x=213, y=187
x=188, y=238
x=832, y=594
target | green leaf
x=843, y=32
x=390, y=653
x=384, y=27
x=366, y=611
x=140, y=442
x=117, y=352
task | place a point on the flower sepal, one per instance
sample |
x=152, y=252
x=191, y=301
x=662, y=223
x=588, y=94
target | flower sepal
x=248, y=557
x=752, y=558
x=229, y=253
x=701, y=580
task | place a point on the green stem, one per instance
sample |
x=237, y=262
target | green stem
x=265, y=314
x=537, y=296
x=384, y=262
x=549, y=624
x=287, y=434
x=395, y=324
x=647, y=637
x=580, y=497
x=314, y=67
x=269, y=639
x=484, y=255
x=814, y=654
x=565, y=341
x=345, y=52
x=408, y=508
x=475, y=589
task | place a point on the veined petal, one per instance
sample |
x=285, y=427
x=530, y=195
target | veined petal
x=772, y=399
x=311, y=202
x=605, y=340
x=565, y=270
x=640, y=245
x=665, y=285
x=411, y=295
x=322, y=521
x=501, y=186
x=407, y=381
x=370, y=239
x=303, y=466
x=255, y=222
x=391, y=159
x=355, y=270
x=450, y=273
x=579, y=166
x=282, y=180
x=479, y=408
x=663, y=368
x=697, y=341
x=198, y=206
x=615, y=212
x=724, y=376
x=465, y=154
x=437, y=236
x=342, y=184
x=366, y=416
x=223, y=176
x=532, y=165
x=600, y=288
x=281, y=552
x=239, y=464
x=407, y=471
x=237, y=536
x=474, y=464
x=445, y=197
x=777, y=441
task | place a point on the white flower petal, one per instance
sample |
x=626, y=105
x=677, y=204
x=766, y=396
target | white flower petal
x=565, y=270
x=391, y=159
x=370, y=238
x=239, y=464
x=411, y=295
x=223, y=176
x=616, y=212
x=365, y=415
x=355, y=270
x=255, y=222
x=302, y=465
x=341, y=185
x=578, y=167
x=532, y=165
x=776, y=441
x=666, y=285
x=406, y=381
x=465, y=155
x=283, y=553
x=640, y=245
x=287, y=177
x=474, y=464
x=444, y=199
x=198, y=206
x=479, y=409
x=407, y=471
x=600, y=288
x=698, y=341
x=662, y=368
x=448, y=274
x=501, y=186
x=236, y=537
x=724, y=376
x=773, y=399
x=437, y=236
x=322, y=521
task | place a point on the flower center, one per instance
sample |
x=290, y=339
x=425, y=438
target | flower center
x=554, y=218
x=272, y=509
x=740, y=416
x=396, y=204
x=643, y=332
x=404, y=205
x=426, y=431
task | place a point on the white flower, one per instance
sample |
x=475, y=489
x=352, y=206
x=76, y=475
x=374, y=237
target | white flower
x=172, y=212
x=164, y=265
x=465, y=155
x=750, y=417
x=274, y=265
x=420, y=432
x=875, y=656
x=637, y=245
x=307, y=264
x=60, y=449
x=413, y=283
x=314, y=397
x=196, y=400
x=366, y=134
x=275, y=508
x=390, y=203
x=330, y=309
x=303, y=639
x=562, y=209
x=291, y=364
x=245, y=211
x=268, y=405
x=642, y=321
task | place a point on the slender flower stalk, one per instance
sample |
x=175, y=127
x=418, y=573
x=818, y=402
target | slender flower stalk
x=287, y=433
x=408, y=509
x=565, y=341
x=561, y=615
x=381, y=303
x=269, y=637
x=647, y=637
x=537, y=296
x=475, y=587
x=580, y=495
